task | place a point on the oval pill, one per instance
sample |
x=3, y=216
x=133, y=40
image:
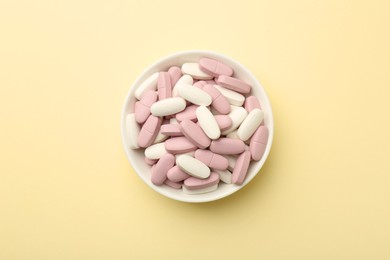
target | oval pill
x=168, y=106
x=233, y=97
x=193, y=166
x=160, y=170
x=259, y=143
x=214, y=67
x=175, y=174
x=211, y=159
x=219, y=101
x=227, y=146
x=132, y=131
x=175, y=185
x=175, y=74
x=250, y=124
x=195, y=134
x=155, y=151
x=251, y=103
x=234, y=84
x=241, y=169
x=142, y=107
x=237, y=116
x=164, y=86
x=208, y=123
x=225, y=176
x=149, y=83
x=223, y=121
x=194, y=95
x=171, y=130
x=188, y=113
x=185, y=79
x=192, y=68
x=150, y=161
x=176, y=145
x=193, y=183
x=149, y=131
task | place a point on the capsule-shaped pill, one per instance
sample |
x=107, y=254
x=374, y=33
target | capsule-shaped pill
x=250, y=124
x=194, y=95
x=188, y=113
x=192, y=69
x=258, y=143
x=193, y=183
x=142, y=107
x=168, y=106
x=233, y=97
x=211, y=159
x=208, y=123
x=159, y=172
x=175, y=74
x=195, y=134
x=175, y=174
x=149, y=131
x=219, y=101
x=223, y=121
x=227, y=146
x=171, y=130
x=214, y=67
x=193, y=166
x=241, y=168
x=155, y=151
x=176, y=145
x=234, y=84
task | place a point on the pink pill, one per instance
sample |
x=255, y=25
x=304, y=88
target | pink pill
x=171, y=130
x=251, y=103
x=241, y=168
x=258, y=143
x=211, y=159
x=175, y=174
x=175, y=185
x=200, y=84
x=194, y=183
x=211, y=82
x=223, y=121
x=150, y=161
x=175, y=74
x=159, y=172
x=214, y=67
x=227, y=146
x=176, y=145
x=219, y=101
x=195, y=134
x=188, y=113
x=234, y=84
x=142, y=107
x=149, y=131
x=164, y=85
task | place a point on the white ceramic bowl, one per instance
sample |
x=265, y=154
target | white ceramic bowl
x=136, y=157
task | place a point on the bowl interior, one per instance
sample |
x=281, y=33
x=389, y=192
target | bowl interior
x=136, y=157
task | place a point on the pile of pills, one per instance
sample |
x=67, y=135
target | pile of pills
x=199, y=125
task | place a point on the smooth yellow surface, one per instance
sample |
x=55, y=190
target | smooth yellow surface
x=67, y=190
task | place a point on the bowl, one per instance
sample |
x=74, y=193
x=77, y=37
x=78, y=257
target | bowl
x=136, y=157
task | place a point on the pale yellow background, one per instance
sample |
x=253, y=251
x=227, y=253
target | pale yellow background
x=67, y=190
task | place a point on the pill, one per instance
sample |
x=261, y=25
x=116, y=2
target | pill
x=149, y=131
x=171, y=130
x=200, y=84
x=132, y=131
x=175, y=74
x=168, y=106
x=208, y=123
x=194, y=95
x=150, y=161
x=175, y=174
x=159, y=172
x=227, y=146
x=164, y=86
x=185, y=79
x=219, y=101
x=234, y=84
x=233, y=135
x=173, y=121
x=251, y=103
x=214, y=67
x=233, y=97
x=188, y=113
x=195, y=134
x=199, y=191
x=231, y=160
x=149, y=83
x=237, y=116
x=250, y=124
x=193, y=183
x=211, y=159
x=193, y=166
x=225, y=176
x=192, y=69
x=142, y=107
x=223, y=121
x=241, y=168
x=191, y=153
x=259, y=143
x=179, y=144
x=155, y=151
x=175, y=185
x=160, y=138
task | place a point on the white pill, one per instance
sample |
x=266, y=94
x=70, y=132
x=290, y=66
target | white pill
x=160, y=138
x=233, y=135
x=192, y=68
x=132, y=131
x=237, y=115
x=168, y=106
x=208, y=123
x=155, y=151
x=192, y=166
x=225, y=176
x=185, y=79
x=250, y=124
x=231, y=160
x=233, y=97
x=195, y=95
x=200, y=191
x=149, y=83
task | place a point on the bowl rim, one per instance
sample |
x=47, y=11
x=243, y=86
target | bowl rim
x=131, y=91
